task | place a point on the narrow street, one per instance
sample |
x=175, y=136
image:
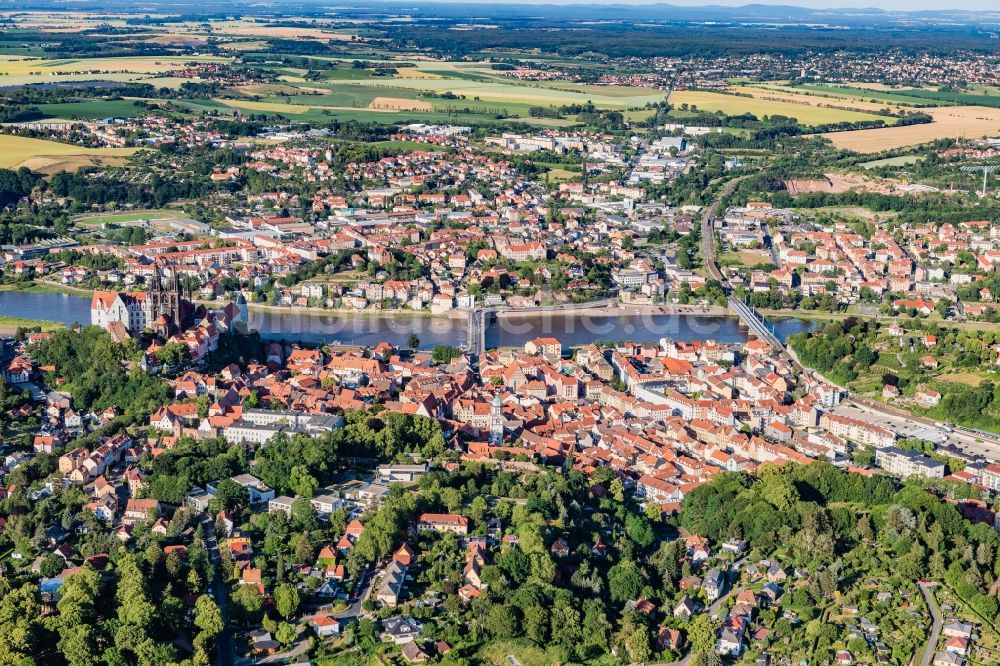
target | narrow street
x=926, y=589
x=225, y=648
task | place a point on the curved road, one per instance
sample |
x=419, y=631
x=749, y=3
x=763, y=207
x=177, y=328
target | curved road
x=932, y=640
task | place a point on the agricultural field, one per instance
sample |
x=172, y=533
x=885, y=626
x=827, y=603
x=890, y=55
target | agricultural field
x=858, y=93
x=261, y=28
x=19, y=70
x=805, y=113
x=91, y=109
x=795, y=96
x=512, y=92
x=43, y=68
x=969, y=122
x=51, y=156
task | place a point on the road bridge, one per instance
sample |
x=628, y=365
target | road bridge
x=480, y=318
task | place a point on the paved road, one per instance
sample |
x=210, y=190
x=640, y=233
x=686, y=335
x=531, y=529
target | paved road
x=769, y=241
x=225, y=649
x=365, y=583
x=932, y=640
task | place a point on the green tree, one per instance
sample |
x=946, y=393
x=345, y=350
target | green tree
x=19, y=612
x=286, y=600
x=701, y=635
x=208, y=617
x=78, y=645
x=502, y=621
x=444, y=354
x=286, y=633
x=624, y=581
x=52, y=565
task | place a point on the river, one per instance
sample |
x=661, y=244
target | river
x=574, y=329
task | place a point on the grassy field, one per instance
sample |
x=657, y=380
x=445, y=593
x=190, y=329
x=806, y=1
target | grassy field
x=131, y=216
x=949, y=122
x=745, y=258
x=91, y=109
x=44, y=155
x=902, y=160
x=534, y=93
x=967, y=378
x=9, y=325
x=806, y=114
x=524, y=652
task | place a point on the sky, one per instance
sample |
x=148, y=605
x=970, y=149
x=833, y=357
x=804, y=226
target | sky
x=898, y=5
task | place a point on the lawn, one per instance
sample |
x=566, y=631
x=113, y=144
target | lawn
x=42, y=154
x=806, y=114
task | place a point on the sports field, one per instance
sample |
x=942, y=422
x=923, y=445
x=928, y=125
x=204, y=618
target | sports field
x=131, y=216
x=42, y=155
x=805, y=113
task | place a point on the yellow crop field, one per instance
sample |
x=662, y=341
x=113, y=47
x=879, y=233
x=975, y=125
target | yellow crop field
x=497, y=91
x=805, y=113
x=270, y=107
x=797, y=97
x=45, y=68
x=264, y=29
x=42, y=155
x=970, y=122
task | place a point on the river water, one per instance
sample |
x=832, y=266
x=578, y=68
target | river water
x=571, y=329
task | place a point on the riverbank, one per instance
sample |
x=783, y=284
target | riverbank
x=615, y=309
x=620, y=310
x=42, y=287
x=9, y=325
x=334, y=312
x=814, y=315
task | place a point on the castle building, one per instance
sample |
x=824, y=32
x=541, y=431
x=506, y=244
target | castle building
x=165, y=310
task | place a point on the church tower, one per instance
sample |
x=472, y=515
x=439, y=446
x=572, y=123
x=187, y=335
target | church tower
x=496, y=421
